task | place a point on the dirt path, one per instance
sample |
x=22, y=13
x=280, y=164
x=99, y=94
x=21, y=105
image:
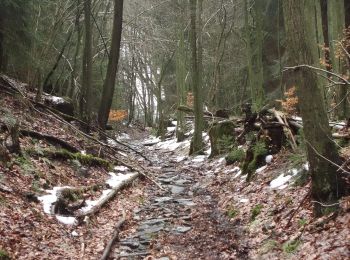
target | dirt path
x=182, y=222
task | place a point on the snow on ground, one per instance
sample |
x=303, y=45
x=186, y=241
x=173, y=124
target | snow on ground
x=151, y=140
x=261, y=169
x=284, y=179
x=50, y=198
x=57, y=100
x=121, y=168
x=180, y=158
x=115, y=180
x=123, y=136
x=91, y=203
x=199, y=158
x=172, y=144
x=171, y=129
x=66, y=220
x=280, y=181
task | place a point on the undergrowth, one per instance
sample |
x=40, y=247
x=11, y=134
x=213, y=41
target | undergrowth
x=291, y=247
x=255, y=212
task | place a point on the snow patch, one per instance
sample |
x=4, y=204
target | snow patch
x=124, y=136
x=261, y=169
x=111, y=142
x=49, y=199
x=280, y=181
x=121, y=168
x=244, y=200
x=199, y=158
x=238, y=174
x=57, y=100
x=66, y=220
x=172, y=144
x=171, y=129
x=180, y=158
x=91, y=203
x=117, y=178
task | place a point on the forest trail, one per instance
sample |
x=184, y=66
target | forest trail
x=181, y=222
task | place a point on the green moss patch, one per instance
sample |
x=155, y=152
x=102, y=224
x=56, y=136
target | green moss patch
x=87, y=159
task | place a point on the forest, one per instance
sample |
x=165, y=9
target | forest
x=174, y=129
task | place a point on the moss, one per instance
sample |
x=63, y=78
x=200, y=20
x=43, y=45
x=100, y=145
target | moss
x=255, y=212
x=290, y=247
x=4, y=255
x=88, y=159
x=236, y=155
x=232, y=212
x=302, y=222
x=72, y=194
x=268, y=246
x=25, y=163
x=222, y=136
x=259, y=151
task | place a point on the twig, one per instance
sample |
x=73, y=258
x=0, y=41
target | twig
x=325, y=205
x=114, y=238
x=317, y=69
x=333, y=163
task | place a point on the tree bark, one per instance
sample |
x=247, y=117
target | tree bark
x=108, y=87
x=2, y=38
x=85, y=100
x=327, y=183
x=336, y=25
x=197, y=141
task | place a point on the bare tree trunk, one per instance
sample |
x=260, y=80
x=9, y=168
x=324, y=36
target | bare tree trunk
x=85, y=101
x=2, y=38
x=336, y=25
x=72, y=89
x=197, y=142
x=108, y=87
x=327, y=184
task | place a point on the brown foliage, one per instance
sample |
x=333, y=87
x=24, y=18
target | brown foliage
x=117, y=115
x=290, y=103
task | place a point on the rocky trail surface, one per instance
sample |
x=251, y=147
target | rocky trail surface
x=182, y=221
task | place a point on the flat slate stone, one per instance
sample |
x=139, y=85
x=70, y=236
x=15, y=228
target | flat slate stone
x=176, y=189
x=182, y=229
x=186, y=202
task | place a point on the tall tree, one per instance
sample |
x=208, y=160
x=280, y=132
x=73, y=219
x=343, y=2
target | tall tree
x=336, y=25
x=254, y=47
x=180, y=85
x=197, y=141
x=86, y=97
x=327, y=184
x=109, y=84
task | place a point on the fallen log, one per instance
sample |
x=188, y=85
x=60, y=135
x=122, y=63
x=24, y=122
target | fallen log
x=114, y=238
x=107, y=198
x=84, y=159
x=189, y=110
x=50, y=139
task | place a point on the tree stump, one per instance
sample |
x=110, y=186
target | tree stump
x=217, y=131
